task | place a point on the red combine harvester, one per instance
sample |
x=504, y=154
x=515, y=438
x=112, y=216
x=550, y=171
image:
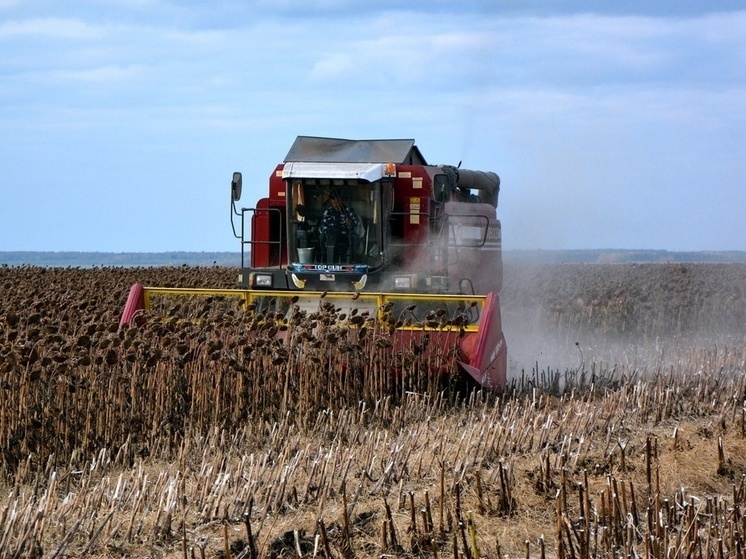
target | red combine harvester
x=370, y=226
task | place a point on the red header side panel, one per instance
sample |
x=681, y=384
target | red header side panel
x=485, y=353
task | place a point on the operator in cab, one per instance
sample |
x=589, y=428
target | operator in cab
x=340, y=230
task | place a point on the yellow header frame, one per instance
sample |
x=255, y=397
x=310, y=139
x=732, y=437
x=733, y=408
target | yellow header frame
x=472, y=304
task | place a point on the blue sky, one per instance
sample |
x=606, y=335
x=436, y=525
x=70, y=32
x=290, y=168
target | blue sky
x=612, y=124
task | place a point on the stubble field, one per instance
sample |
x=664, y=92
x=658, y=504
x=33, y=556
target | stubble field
x=623, y=432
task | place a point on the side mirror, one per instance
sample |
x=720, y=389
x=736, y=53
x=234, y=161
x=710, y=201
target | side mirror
x=236, y=187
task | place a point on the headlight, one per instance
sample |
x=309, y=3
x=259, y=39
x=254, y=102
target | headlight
x=403, y=282
x=262, y=280
x=437, y=282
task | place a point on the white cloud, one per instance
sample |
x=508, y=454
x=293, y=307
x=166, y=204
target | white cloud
x=578, y=51
x=49, y=28
x=127, y=3
x=334, y=66
x=104, y=74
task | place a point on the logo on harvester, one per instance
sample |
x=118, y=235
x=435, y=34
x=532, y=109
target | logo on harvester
x=329, y=268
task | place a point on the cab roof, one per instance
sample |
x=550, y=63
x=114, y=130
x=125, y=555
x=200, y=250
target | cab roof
x=335, y=150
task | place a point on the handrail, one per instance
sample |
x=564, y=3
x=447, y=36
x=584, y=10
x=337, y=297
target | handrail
x=478, y=242
x=252, y=242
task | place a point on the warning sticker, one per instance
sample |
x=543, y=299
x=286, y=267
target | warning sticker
x=414, y=210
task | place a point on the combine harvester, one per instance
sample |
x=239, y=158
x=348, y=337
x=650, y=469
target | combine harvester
x=370, y=227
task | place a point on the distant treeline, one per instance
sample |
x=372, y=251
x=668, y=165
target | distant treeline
x=233, y=259
x=620, y=256
x=122, y=259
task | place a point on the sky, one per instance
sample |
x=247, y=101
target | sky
x=612, y=124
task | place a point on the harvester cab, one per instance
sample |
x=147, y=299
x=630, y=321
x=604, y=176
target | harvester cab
x=369, y=227
x=347, y=215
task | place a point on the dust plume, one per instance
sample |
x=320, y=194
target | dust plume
x=572, y=316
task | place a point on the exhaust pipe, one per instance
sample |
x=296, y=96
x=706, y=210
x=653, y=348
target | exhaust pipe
x=486, y=182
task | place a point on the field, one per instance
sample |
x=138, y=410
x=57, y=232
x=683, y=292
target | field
x=623, y=431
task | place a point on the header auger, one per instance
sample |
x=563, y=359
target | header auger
x=369, y=227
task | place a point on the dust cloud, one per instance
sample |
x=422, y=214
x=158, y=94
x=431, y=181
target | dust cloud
x=640, y=316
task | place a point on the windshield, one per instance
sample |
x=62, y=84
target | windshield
x=334, y=221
